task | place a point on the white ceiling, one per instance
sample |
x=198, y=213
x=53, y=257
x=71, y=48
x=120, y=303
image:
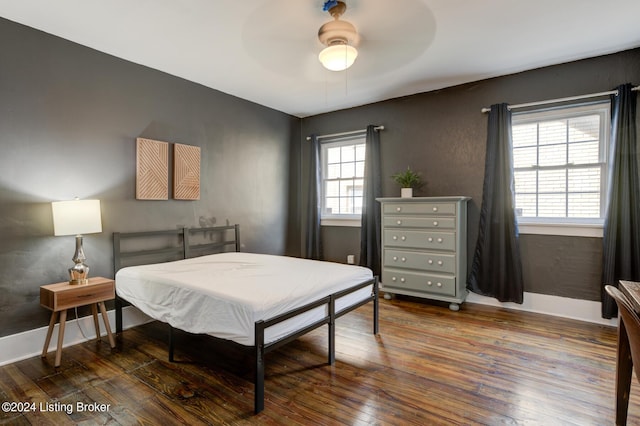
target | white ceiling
x=266, y=50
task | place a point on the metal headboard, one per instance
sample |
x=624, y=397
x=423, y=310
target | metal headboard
x=175, y=244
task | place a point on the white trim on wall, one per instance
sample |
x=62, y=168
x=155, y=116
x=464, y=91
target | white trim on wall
x=27, y=344
x=571, y=230
x=578, y=309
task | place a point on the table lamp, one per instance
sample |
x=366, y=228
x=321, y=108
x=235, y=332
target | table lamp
x=77, y=217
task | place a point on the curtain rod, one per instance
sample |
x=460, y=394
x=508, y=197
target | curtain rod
x=553, y=101
x=354, y=132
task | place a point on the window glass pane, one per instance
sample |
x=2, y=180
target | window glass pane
x=526, y=205
x=360, y=152
x=332, y=205
x=525, y=181
x=346, y=188
x=584, y=152
x=345, y=205
x=585, y=128
x=553, y=155
x=333, y=155
x=357, y=207
x=360, y=169
x=348, y=153
x=333, y=171
x=332, y=188
x=525, y=157
x=584, y=205
x=552, y=205
x=584, y=180
x=358, y=187
x=552, y=181
x=348, y=170
x=525, y=135
x=553, y=132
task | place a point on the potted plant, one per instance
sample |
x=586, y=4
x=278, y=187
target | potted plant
x=408, y=181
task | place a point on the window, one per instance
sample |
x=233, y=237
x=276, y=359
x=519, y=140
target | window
x=560, y=163
x=342, y=180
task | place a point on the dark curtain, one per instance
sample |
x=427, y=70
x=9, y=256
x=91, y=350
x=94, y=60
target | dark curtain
x=621, y=238
x=370, y=225
x=312, y=234
x=496, y=270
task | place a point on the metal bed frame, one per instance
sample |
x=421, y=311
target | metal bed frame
x=177, y=244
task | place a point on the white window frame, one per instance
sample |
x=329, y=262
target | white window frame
x=584, y=227
x=352, y=220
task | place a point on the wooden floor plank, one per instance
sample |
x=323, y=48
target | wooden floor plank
x=429, y=365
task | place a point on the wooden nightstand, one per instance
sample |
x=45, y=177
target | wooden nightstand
x=62, y=296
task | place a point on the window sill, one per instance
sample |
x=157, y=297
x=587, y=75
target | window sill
x=351, y=222
x=566, y=229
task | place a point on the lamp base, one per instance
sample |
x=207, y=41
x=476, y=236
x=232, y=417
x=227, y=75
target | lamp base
x=79, y=273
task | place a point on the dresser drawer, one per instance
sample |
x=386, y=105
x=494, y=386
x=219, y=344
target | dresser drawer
x=419, y=260
x=419, y=222
x=420, y=239
x=420, y=208
x=416, y=281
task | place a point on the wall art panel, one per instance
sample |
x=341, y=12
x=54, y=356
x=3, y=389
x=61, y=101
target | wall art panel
x=152, y=169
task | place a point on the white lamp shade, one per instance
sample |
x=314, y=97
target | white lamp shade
x=338, y=57
x=76, y=217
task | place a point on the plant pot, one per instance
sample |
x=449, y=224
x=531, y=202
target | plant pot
x=406, y=192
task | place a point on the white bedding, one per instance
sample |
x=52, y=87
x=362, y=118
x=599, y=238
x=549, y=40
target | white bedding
x=225, y=294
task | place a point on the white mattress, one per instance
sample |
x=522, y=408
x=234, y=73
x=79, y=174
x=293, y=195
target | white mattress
x=225, y=294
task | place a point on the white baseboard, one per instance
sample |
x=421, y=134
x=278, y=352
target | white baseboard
x=583, y=310
x=28, y=344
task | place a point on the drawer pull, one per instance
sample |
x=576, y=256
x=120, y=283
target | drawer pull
x=404, y=259
x=81, y=296
x=398, y=209
x=435, y=209
x=439, y=240
x=430, y=239
x=429, y=283
x=394, y=279
x=399, y=222
x=403, y=238
x=402, y=280
x=435, y=223
x=430, y=262
x=439, y=284
x=395, y=258
x=440, y=262
x=395, y=237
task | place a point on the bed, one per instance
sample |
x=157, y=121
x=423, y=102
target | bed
x=198, y=281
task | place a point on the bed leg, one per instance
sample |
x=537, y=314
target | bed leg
x=258, y=405
x=376, y=315
x=118, y=315
x=332, y=330
x=170, y=344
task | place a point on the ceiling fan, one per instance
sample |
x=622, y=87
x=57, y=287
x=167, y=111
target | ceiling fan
x=340, y=37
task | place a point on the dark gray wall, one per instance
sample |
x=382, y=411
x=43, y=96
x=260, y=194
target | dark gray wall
x=443, y=135
x=339, y=242
x=69, y=118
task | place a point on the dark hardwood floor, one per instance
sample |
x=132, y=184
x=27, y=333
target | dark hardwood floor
x=428, y=365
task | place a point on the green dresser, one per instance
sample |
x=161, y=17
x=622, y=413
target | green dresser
x=424, y=248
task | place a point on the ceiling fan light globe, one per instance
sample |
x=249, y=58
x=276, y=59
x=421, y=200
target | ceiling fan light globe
x=338, y=57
